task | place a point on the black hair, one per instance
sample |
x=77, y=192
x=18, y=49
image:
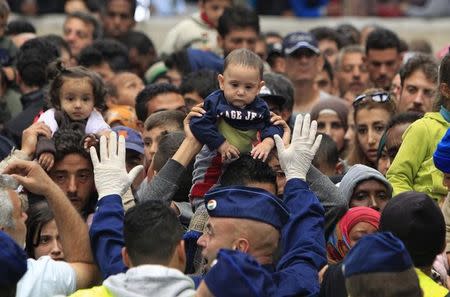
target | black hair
x=426, y=63
x=403, y=118
x=39, y=214
x=151, y=233
x=106, y=2
x=110, y=51
x=381, y=39
x=203, y=81
x=148, y=93
x=349, y=35
x=20, y=26
x=327, y=154
x=404, y=46
x=326, y=33
x=179, y=60
x=282, y=86
x=88, y=19
x=444, y=77
x=138, y=40
x=237, y=17
x=246, y=170
x=32, y=60
x=61, y=74
x=59, y=42
x=328, y=68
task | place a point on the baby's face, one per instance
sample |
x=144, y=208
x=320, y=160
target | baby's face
x=77, y=98
x=240, y=85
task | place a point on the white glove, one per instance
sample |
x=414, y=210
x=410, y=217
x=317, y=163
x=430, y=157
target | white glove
x=296, y=159
x=110, y=174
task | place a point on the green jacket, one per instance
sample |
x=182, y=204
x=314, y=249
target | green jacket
x=413, y=168
x=429, y=287
x=100, y=291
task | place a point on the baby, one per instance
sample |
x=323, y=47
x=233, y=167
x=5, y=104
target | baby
x=236, y=120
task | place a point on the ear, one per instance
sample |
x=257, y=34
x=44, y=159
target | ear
x=339, y=169
x=221, y=80
x=261, y=84
x=444, y=89
x=181, y=255
x=126, y=258
x=242, y=245
x=140, y=126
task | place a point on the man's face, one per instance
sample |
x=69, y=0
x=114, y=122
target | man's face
x=324, y=83
x=151, y=139
x=352, y=75
x=220, y=233
x=118, y=18
x=78, y=34
x=104, y=70
x=19, y=216
x=238, y=38
x=330, y=50
x=370, y=193
x=128, y=86
x=303, y=65
x=382, y=64
x=417, y=93
x=75, y=176
x=166, y=101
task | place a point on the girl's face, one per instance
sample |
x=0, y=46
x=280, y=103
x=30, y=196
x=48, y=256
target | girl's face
x=77, y=98
x=49, y=243
x=370, y=193
x=369, y=127
x=330, y=124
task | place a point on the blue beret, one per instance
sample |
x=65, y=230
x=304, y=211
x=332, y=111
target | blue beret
x=441, y=156
x=13, y=261
x=238, y=274
x=246, y=203
x=378, y=252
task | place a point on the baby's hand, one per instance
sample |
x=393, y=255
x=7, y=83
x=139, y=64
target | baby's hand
x=46, y=160
x=90, y=140
x=262, y=149
x=228, y=151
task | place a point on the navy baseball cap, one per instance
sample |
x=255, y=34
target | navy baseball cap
x=378, y=252
x=246, y=203
x=298, y=40
x=248, y=277
x=133, y=140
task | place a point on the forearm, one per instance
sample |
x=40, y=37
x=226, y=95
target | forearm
x=72, y=229
x=189, y=148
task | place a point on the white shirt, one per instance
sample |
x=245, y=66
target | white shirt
x=46, y=277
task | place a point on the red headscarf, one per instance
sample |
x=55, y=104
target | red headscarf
x=339, y=243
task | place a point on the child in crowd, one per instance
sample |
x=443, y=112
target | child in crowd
x=199, y=31
x=413, y=168
x=236, y=121
x=123, y=89
x=76, y=96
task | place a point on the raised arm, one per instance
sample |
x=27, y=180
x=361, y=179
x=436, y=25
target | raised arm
x=72, y=229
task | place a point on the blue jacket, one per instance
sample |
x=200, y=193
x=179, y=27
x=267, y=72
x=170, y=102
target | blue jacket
x=302, y=241
x=256, y=116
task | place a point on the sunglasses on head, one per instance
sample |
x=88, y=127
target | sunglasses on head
x=380, y=97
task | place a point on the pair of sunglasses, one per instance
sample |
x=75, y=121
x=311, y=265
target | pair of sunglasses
x=380, y=97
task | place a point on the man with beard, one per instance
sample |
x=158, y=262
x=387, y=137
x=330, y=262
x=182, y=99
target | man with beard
x=383, y=57
x=351, y=72
x=418, y=84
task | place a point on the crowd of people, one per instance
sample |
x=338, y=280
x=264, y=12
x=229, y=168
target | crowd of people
x=230, y=162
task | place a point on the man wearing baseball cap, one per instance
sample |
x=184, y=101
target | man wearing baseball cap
x=303, y=63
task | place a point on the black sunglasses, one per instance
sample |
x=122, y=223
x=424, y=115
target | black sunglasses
x=380, y=97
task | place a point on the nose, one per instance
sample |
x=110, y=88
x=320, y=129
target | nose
x=153, y=149
x=356, y=72
x=201, y=241
x=371, y=137
x=72, y=186
x=374, y=203
x=328, y=130
x=418, y=100
x=56, y=250
x=383, y=69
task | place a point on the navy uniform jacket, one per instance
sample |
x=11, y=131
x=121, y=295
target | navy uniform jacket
x=255, y=116
x=302, y=241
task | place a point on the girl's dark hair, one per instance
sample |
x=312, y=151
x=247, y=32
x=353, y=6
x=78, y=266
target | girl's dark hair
x=58, y=74
x=39, y=214
x=444, y=74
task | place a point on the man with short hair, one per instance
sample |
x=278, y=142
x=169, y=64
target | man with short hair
x=80, y=30
x=383, y=58
x=303, y=63
x=329, y=42
x=238, y=28
x=118, y=17
x=158, y=97
x=351, y=72
x=418, y=79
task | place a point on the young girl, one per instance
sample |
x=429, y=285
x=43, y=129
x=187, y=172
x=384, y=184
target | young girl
x=413, y=168
x=372, y=111
x=76, y=94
